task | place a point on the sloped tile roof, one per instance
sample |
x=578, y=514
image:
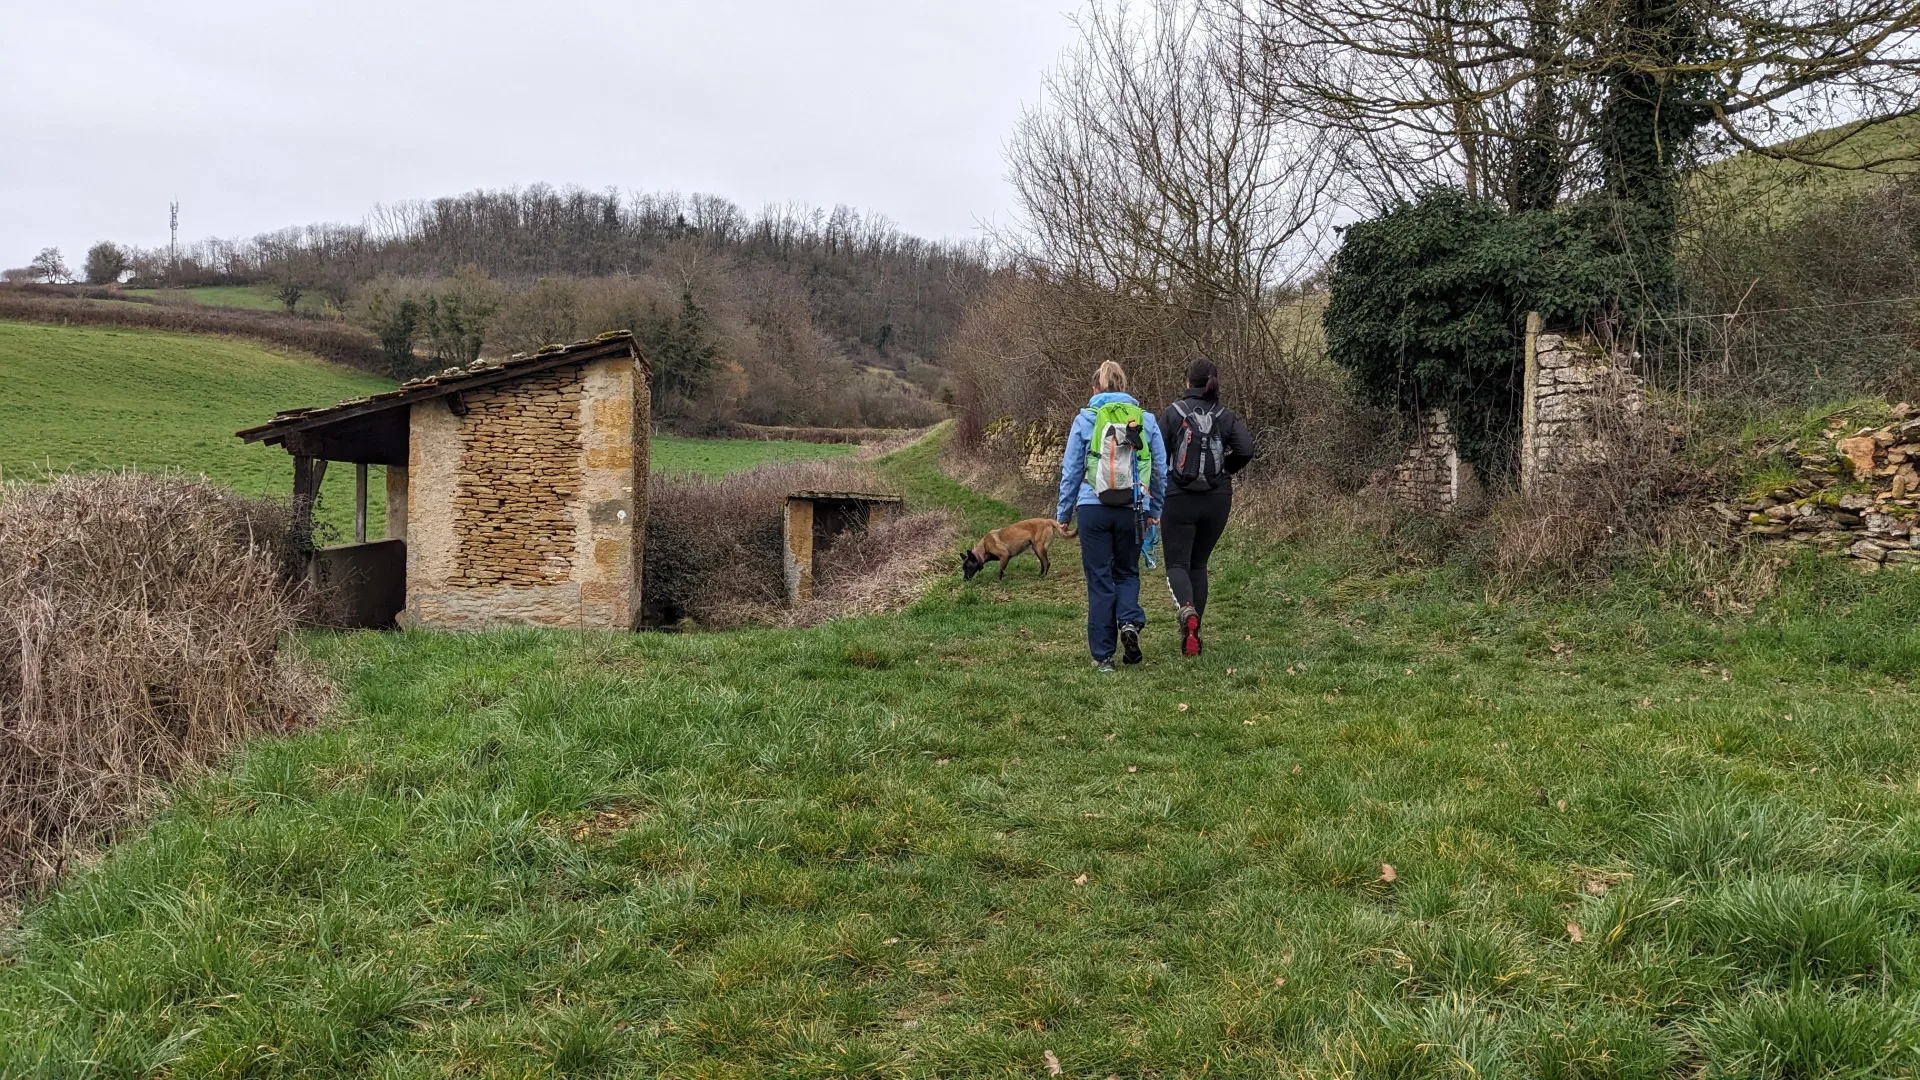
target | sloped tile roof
x=481, y=372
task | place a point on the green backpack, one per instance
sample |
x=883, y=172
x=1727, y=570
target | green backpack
x=1118, y=458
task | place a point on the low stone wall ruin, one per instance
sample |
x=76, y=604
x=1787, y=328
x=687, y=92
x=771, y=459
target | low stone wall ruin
x=1576, y=392
x=1431, y=478
x=1857, y=495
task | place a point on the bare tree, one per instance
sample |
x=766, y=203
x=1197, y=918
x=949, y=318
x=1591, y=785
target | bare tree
x=1165, y=212
x=50, y=266
x=1508, y=98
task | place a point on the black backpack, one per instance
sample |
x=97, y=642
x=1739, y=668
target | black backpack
x=1198, y=459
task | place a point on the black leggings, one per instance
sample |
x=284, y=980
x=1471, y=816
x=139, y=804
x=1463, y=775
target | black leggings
x=1190, y=525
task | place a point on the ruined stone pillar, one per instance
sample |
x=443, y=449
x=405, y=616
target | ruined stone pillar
x=797, y=531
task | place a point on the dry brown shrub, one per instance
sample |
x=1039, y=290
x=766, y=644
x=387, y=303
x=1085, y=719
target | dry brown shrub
x=142, y=621
x=871, y=573
x=715, y=551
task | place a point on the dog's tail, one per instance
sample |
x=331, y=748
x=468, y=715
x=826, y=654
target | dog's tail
x=1064, y=531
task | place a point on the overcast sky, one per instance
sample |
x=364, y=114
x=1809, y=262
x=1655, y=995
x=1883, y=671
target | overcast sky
x=262, y=114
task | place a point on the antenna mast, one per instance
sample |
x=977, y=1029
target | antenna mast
x=173, y=241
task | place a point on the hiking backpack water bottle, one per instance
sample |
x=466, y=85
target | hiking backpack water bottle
x=1198, y=454
x=1118, y=460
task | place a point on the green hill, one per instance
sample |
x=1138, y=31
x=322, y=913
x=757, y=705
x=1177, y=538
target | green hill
x=250, y=297
x=1749, y=185
x=88, y=398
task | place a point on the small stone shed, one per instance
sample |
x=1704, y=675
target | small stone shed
x=814, y=518
x=516, y=491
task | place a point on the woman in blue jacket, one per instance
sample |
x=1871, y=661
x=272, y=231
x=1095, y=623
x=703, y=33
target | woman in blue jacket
x=1110, y=534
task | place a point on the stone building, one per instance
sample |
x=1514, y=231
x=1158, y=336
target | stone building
x=516, y=491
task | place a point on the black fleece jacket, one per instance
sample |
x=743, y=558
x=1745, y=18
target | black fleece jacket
x=1233, y=434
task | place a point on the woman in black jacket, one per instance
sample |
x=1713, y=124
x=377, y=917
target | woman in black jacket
x=1206, y=445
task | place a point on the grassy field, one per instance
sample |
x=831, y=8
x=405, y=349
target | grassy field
x=251, y=297
x=88, y=398
x=718, y=457
x=1386, y=827
x=1767, y=191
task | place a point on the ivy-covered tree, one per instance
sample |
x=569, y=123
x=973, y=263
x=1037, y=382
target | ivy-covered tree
x=1429, y=301
x=107, y=262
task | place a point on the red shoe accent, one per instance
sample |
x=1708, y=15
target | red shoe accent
x=1190, y=640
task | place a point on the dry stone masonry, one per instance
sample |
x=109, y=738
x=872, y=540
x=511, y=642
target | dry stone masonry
x=1856, y=493
x=1575, y=391
x=519, y=473
x=516, y=490
x=527, y=501
x=1577, y=400
x=1431, y=479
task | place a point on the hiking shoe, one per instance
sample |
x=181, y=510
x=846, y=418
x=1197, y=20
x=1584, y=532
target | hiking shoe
x=1130, y=641
x=1189, y=631
x=1104, y=666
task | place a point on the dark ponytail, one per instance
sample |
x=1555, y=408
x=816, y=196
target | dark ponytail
x=1201, y=375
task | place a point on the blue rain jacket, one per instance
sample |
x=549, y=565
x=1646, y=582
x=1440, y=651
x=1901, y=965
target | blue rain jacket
x=1074, y=489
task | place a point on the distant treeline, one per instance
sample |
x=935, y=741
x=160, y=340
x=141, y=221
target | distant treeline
x=867, y=282
x=791, y=316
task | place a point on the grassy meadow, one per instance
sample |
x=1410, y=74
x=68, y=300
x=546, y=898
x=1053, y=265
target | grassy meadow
x=250, y=297
x=718, y=457
x=91, y=398
x=80, y=398
x=1388, y=826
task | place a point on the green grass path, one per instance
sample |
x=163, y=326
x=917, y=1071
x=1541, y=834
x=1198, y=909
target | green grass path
x=938, y=844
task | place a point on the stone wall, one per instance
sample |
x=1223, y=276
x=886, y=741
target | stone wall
x=530, y=509
x=520, y=451
x=1857, y=493
x=1040, y=455
x=1431, y=479
x=1576, y=397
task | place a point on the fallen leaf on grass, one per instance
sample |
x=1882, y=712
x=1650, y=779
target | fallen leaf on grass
x=940, y=761
x=1133, y=768
x=1053, y=1064
x=1388, y=874
x=1249, y=723
x=1182, y=706
x=1561, y=805
x=1281, y=981
x=1081, y=880
x=1573, y=932
x=1596, y=887
x=1112, y=735
x=1296, y=770
x=1290, y=671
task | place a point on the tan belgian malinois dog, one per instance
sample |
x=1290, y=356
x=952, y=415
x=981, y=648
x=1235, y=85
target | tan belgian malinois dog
x=1003, y=544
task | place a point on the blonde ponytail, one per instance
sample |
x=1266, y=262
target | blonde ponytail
x=1110, y=377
